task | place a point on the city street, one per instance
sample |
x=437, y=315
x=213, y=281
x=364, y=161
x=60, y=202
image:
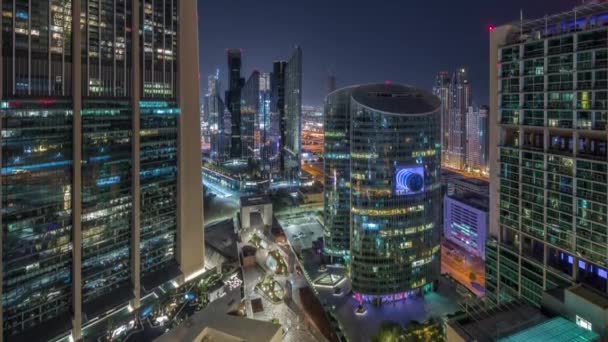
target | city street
x=460, y=265
x=218, y=208
x=314, y=169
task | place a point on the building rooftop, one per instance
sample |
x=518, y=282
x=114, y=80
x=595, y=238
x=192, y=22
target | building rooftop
x=474, y=181
x=482, y=324
x=396, y=99
x=247, y=201
x=208, y=323
x=557, y=329
x=590, y=295
x=584, y=17
x=472, y=200
x=221, y=237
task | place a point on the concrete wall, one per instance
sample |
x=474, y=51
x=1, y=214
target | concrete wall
x=190, y=230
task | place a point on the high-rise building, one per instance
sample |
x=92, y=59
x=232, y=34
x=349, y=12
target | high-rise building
x=477, y=138
x=213, y=85
x=484, y=139
x=442, y=91
x=548, y=154
x=101, y=176
x=461, y=100
x=233, y=101
x=277, y=110
x=391, y=161
x=214, y=109
x=264, y=125
x=292, y=144
x=336, y=156
x=250, y=109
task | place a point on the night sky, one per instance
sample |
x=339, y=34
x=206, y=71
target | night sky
x=361, y=41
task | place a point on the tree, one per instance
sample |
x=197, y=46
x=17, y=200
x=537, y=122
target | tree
x=389, y=332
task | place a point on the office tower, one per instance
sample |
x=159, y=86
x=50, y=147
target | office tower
x=336, y=156
x=548, y=154
x=461, y=100
x=484, y=139
x=214, y=107
x=292, y=144
x=392, y=164
x=277, y=108
x=442, y=91
x=477, y=120
x=264, y=124
x=250, y=108
x=466, y=222
x=233, y=101
x=100, y=159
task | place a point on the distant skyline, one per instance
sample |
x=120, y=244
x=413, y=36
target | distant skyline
x=360, y=41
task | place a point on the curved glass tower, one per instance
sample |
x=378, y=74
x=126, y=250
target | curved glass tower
x=395, y=189
x=337, y=173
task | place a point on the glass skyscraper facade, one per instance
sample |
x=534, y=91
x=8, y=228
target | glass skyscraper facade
x=292, y=145
x=250, y=109
x=391, y=163
x=91, y=123
x=233, y=100
x=548, y=154
x=277, y=114
x=337, y=173
x=442, y=91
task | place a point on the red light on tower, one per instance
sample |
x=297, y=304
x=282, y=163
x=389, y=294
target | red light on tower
x=491, y=28
x=387, y=82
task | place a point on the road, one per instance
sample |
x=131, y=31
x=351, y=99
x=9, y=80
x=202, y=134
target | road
x=467, y=174
x=314, y=169
x=460, y=269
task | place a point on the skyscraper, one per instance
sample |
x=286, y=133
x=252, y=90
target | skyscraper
x=100, y=159
x=277, y=111
x=336, y=156
x=214, y=107
x=292, y=145
x=442, y=91
x=477, y=138
x=233, y=101
x=461, y=100
x=484, y=139
x=548, y=154
x=250, y=109
x=264, y=124
x=391, y=158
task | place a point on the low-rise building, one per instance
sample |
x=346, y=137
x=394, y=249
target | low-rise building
x=466, y=220
x=514, y=322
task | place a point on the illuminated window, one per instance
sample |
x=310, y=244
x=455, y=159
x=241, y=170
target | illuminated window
x=583, y=323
